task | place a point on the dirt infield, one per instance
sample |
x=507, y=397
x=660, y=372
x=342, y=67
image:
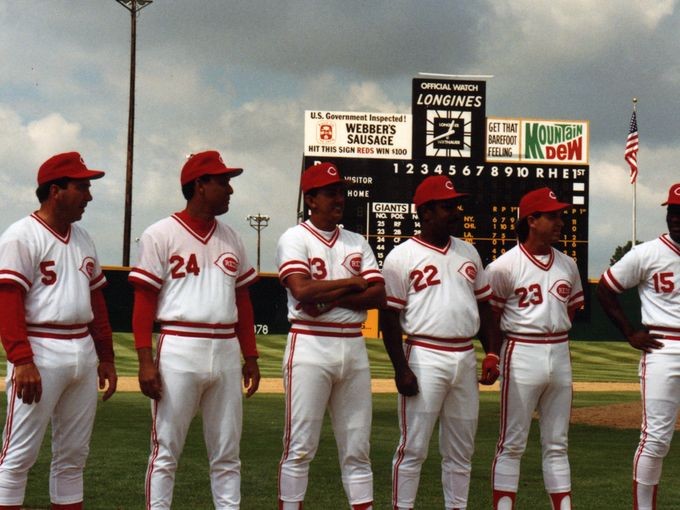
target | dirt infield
x=275, y=385
x=623, y=416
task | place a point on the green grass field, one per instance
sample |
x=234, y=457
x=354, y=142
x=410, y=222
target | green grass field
x=592, y=361
x=601, y=457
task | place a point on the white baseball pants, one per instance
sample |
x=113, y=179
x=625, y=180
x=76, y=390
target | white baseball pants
x=68, y=371
x=320, y=373
x=449, y=392
x=197, y=374
x=534, y=377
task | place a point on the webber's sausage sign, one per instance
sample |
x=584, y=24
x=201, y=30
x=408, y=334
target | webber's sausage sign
x=358, y=134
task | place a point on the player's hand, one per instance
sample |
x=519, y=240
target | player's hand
x=251, y=376
x=407, y=382
x=314, y=310
x=107, y=373
x=490, y=369
x=644, y=341
x=358, y=284
x=28, y=383
x=150, y=380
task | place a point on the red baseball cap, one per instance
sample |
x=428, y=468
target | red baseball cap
x=67, y=164
x=436, y=187
x=673, y=195
x=206, y=163
x=540, y=200
x=318, y=176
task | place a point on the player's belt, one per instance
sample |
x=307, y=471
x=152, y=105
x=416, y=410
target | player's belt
x=314, y=328
x=58, y=331
x=538, y=338
x=665, y=332
x=440, y=344
x=199, y=329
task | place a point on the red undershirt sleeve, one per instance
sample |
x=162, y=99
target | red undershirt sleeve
x=143, y=315
x=100, y=327
x=13, y=325
x=245, y=327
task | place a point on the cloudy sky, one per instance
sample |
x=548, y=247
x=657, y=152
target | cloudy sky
x=238, y=75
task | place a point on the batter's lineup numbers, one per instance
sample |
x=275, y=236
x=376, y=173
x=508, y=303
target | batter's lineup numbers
x=492, y=171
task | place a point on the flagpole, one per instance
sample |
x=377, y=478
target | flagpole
x=634, y=238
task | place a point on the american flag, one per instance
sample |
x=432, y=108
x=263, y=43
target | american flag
x=630, y=154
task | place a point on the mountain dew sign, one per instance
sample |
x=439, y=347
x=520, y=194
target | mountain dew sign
x=562, y=142
x=556, y=142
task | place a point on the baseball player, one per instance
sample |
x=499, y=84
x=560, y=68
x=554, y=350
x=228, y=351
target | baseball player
x=331, y=277
x=654, y=267
x=437, y=291
x=54, y=325
x=537, y=289
x=193, y=276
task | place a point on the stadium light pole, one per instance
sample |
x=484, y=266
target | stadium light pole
x=134, y=6
x=258, y=222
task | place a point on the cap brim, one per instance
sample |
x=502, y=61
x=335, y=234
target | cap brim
x=87, y=174
x=344, y=182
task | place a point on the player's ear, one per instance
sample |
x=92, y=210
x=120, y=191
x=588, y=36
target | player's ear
x=310, y=201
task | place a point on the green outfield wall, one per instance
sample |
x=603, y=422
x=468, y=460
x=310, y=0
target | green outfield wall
x=269, y=304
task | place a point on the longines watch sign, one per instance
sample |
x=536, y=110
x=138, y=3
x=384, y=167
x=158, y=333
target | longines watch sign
x=448, y=118
x=358, y=134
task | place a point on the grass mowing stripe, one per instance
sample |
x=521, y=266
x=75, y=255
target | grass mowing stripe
x=601, y=460
x=591, y=361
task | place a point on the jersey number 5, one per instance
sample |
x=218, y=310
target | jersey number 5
x=180, y=269
x=49, y=275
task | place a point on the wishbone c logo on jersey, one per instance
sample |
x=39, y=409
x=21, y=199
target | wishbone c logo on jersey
x=352, y=263
x=87, y=267
x=228, y=263
x=469, y=271
x=561, y=289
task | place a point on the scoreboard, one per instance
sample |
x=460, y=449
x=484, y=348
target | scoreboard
x=495, y=160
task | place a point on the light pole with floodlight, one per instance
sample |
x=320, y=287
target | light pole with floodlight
x=258, y=222
x=134, y=6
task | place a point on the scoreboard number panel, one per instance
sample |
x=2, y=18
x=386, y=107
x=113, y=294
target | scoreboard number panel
x=495, y=160
x=379, y=203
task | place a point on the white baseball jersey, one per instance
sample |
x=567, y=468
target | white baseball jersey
x=436, y=291
x=326, y=364
x=535, y=293
x=186, y=268
x=57, y=272
x=654, y=267
x=197, y=353
x=304, y=249
x=420, y=280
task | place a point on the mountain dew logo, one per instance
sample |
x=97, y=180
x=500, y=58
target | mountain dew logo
x=555, y=141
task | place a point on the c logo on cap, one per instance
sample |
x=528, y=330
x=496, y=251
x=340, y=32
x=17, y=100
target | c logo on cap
x=448, y=185
x=332, y=170
x=552, y=195
x=676, y=191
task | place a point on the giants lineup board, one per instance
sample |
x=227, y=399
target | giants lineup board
x=495, y=160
